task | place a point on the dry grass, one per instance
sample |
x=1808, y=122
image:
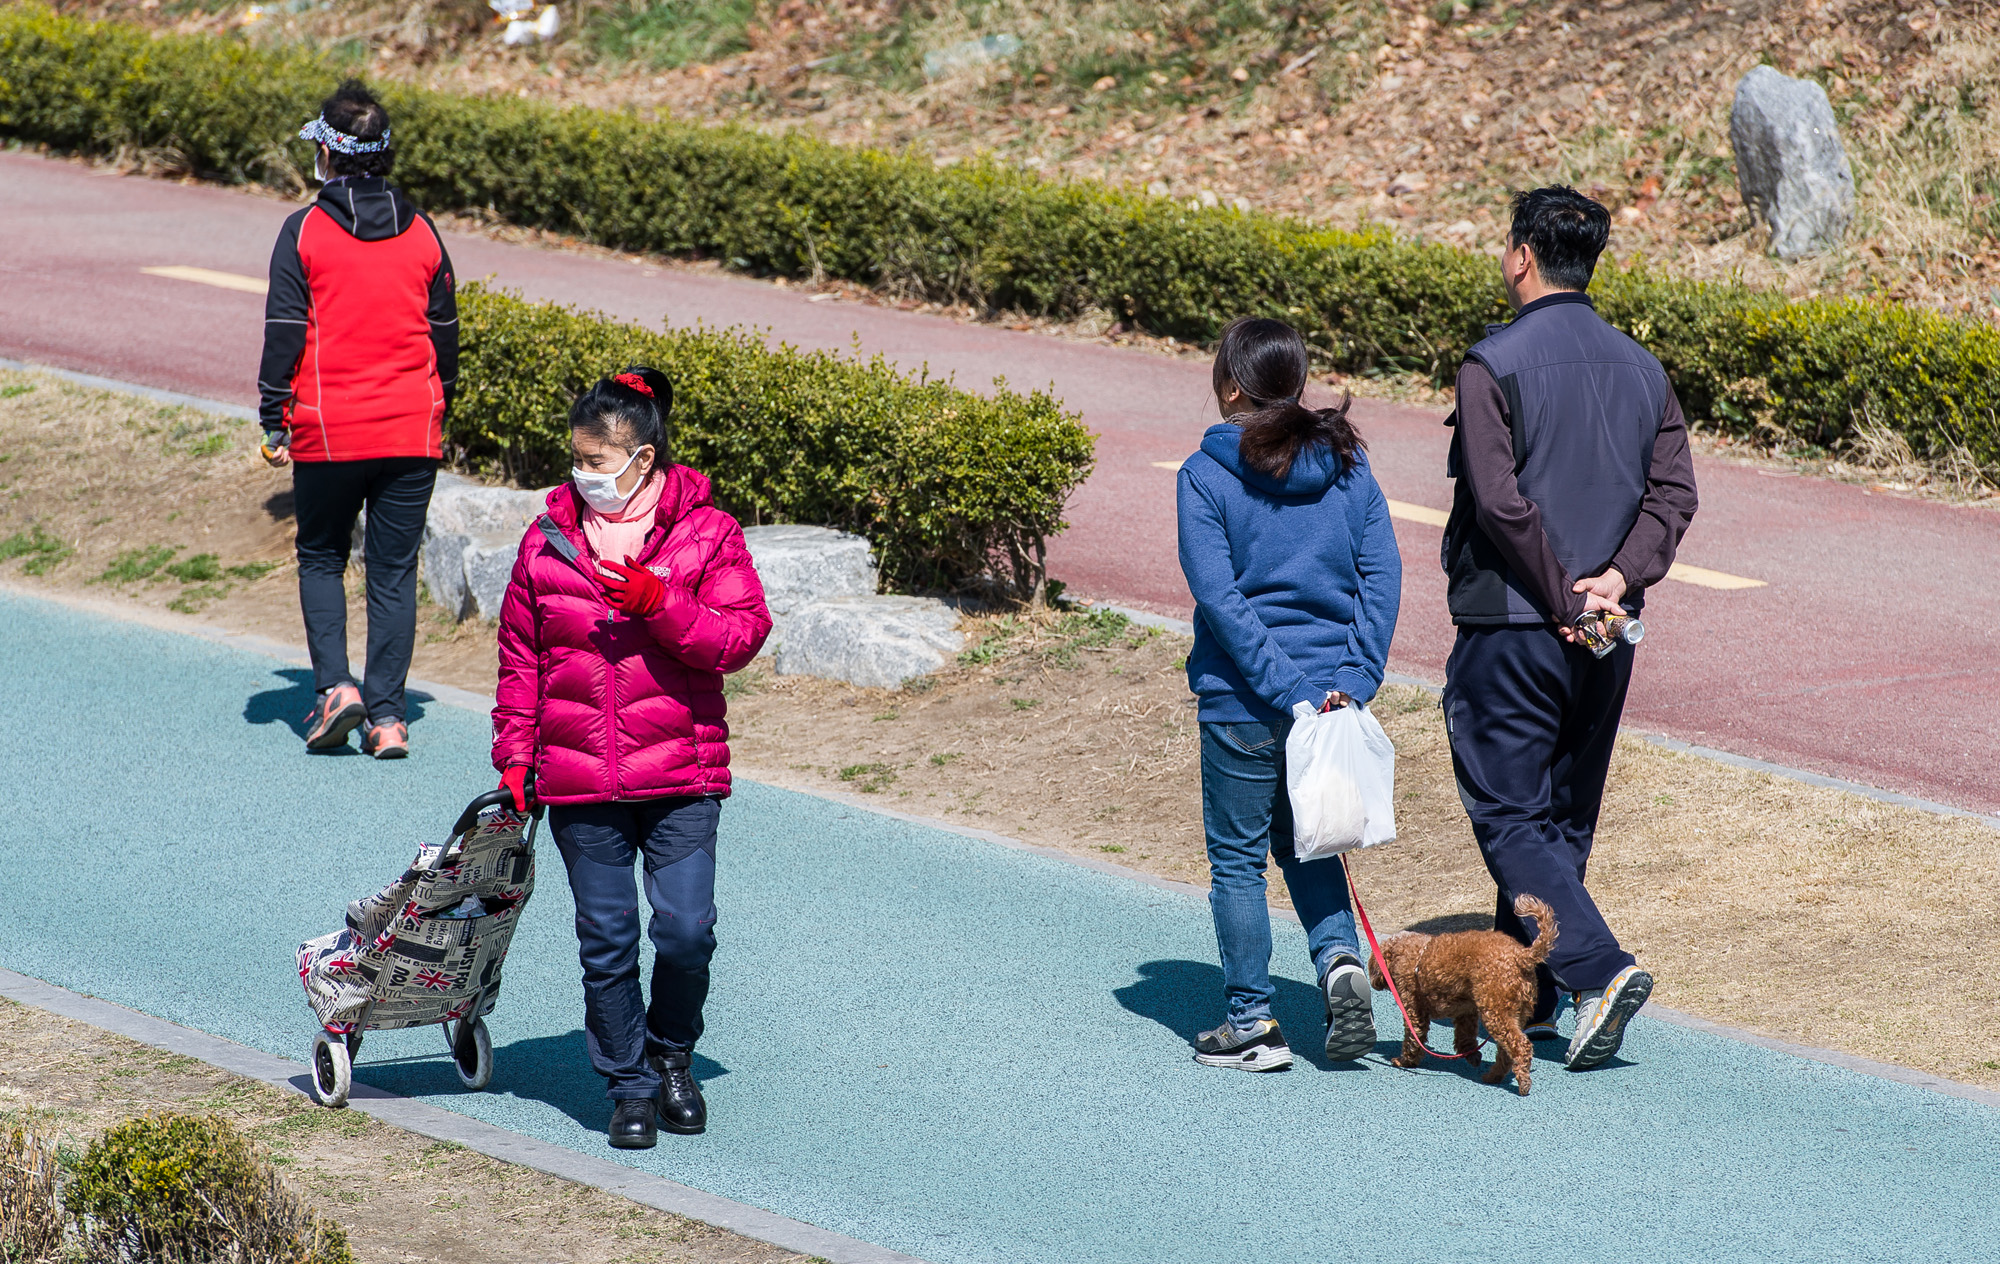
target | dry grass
x=31, y=1221
x=117, y=499
x=402, y=1198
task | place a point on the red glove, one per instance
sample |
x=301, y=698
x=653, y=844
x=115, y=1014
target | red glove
x=516, y=779
x=633, y=589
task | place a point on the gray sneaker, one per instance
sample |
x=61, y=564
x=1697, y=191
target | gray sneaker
x=1261, y=1048
x=1601, y=1017
x=1350, y=1010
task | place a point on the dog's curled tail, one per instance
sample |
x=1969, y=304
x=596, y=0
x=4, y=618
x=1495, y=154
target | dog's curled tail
x=1545, y=925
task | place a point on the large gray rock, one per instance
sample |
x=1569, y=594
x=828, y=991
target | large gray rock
x=1790, y=166
x=470, y=540
x=800, y=566
x=878, y=641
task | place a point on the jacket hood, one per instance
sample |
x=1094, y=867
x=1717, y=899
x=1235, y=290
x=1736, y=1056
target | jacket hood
x=368, y=207
x=1315, y=470
x=687, y=489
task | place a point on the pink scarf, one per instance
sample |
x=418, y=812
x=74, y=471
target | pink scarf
x=619, y=537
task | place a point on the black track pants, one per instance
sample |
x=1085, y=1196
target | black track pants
x=1532, y=721
x=327, y=497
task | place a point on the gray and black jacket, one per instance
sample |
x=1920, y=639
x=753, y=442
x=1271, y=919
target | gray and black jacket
x=1571, y=456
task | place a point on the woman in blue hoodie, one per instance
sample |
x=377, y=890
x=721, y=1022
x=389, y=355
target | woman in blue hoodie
x=1286, y=544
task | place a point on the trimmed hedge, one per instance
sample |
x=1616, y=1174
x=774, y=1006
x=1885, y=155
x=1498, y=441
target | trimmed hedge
x=1743, y=360
x=948, y=485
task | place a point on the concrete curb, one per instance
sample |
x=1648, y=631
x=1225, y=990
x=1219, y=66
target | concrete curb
x=444, y=1125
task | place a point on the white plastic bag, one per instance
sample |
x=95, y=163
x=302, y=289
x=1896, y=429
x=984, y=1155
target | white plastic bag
x=1340, y=770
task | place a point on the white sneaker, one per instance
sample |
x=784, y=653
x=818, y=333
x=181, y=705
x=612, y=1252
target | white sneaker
x=1601, y=1016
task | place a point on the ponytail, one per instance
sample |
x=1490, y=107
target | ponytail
x=628, y=410
x=1266, y=359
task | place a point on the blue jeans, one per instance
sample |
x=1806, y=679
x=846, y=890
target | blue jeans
x=1246, y=814
x=599, y=842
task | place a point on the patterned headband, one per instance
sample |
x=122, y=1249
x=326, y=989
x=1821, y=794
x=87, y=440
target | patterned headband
x=323, y=132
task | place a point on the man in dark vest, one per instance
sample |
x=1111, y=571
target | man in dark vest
x=1574, y=487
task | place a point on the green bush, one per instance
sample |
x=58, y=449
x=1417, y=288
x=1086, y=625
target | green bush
x=949, y=486
x=184, y=1188
x=1815, y=373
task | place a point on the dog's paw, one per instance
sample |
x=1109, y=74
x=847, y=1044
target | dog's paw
x=1406, y=1060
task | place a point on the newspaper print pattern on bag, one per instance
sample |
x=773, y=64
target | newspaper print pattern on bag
x=399, y=949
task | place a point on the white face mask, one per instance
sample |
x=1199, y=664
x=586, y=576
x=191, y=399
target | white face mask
x=320, y=173
x=600, y=491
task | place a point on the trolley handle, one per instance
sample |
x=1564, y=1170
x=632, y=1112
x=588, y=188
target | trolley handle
x=494, y=798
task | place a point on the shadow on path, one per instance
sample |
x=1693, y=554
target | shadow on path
x=1186, y=998
x=290, y=704
x=553, y=1070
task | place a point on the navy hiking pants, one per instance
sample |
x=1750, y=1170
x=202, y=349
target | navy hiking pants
x=1532, y=720
x=675, y=840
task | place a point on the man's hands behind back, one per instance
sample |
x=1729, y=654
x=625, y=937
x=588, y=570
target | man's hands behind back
x=1601, y=595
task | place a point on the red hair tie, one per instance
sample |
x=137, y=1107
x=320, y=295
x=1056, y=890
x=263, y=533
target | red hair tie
x=636, y=382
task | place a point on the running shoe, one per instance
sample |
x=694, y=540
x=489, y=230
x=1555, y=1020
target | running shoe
x=1601, y=1016
x=1261, y=1047
x=335, y=714
x=387, y=741
x=1350, y=1010
x=1544, y=1030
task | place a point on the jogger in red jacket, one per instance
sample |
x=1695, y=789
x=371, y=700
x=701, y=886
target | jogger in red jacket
x=631, y=598
x=360, y=364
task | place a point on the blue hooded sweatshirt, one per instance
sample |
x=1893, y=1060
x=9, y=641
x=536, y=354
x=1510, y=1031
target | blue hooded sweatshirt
x=1296, y=584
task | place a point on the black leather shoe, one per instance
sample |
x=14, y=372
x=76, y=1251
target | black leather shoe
x=681, y=1108
x=632, y=1124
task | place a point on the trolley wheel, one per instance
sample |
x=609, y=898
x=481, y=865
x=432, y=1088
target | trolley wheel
x=471, y=1052
x=332, y=1070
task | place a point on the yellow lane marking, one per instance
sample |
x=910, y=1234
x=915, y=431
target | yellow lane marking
x=1417, y=513
x=1705, y=578
x=209, y=276
x=1700, y=576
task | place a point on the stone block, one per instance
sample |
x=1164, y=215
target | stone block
x=471, y=535
x=802, y=565
x=1790, y=165
x=869, y=640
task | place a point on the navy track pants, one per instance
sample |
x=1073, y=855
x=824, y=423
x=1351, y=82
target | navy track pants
x=1532, y=720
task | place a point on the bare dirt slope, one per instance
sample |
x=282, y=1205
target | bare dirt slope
x=1413, y=114
x=1810, y=914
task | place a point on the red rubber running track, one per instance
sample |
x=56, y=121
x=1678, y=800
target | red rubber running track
x=1869, y=654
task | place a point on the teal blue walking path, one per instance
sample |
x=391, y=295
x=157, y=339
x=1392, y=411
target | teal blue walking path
x=944, y=1046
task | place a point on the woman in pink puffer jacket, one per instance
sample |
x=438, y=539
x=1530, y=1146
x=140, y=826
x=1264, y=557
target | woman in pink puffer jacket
x=631, y=598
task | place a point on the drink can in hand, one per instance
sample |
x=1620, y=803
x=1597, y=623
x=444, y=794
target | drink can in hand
x=1601, y=633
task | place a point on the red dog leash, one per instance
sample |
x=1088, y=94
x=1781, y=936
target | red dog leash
x=1376, y=948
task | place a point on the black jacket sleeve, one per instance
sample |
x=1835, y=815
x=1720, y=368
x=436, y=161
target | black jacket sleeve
x=287, y=307
x=443, y=313
x=1668, y=507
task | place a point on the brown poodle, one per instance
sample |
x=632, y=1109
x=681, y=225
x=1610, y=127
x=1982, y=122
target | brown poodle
x=1471, y=977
